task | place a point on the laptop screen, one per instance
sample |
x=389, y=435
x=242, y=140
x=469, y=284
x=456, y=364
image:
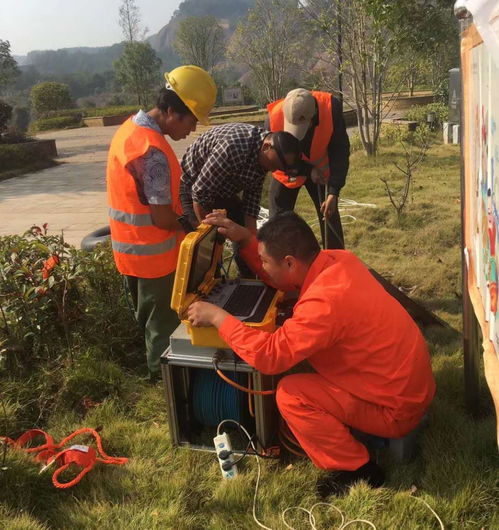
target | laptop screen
x=201, y=260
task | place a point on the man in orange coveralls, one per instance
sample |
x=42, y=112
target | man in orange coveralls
x=372, y=365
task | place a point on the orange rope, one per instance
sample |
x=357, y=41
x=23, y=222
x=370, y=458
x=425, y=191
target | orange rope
x=86, y=460
x=243, y=388
x=84, y=456
x=117, y=460
x=45, y=451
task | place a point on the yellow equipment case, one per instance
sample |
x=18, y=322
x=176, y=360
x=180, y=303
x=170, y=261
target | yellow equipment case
x=251, y=301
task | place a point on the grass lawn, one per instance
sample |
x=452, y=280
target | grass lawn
x=161, y=487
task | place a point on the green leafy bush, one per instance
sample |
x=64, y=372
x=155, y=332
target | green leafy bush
x=13, y=156
x=110, y=111
x=420, y=113
x=66, y=332
x=50, y=95
x=63, y=122
x=355, y=142
x=61, y=119
x=55, y=299
x=63, y=113
x=393, y=133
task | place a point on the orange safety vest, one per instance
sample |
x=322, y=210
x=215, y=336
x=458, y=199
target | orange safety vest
x=322, y=136
x=140, y=248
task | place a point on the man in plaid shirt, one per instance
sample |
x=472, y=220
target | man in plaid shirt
x=230, y=159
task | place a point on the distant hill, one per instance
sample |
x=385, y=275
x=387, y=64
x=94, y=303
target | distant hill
x=70, y=60
x=229, y=12
x=100, y=59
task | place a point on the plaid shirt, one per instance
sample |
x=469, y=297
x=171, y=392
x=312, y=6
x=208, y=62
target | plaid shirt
x=223, y=162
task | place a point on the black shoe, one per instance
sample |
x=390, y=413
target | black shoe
x=337, y=482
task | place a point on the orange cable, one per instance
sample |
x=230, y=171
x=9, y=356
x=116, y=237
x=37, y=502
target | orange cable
x=243, y=388
x=250, y=398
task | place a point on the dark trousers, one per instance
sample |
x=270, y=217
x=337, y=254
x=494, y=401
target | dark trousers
x=235, y=213
x=234, y=208
x=151, y=300
x=283, y=199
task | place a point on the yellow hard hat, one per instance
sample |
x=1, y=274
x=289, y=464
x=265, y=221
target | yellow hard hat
x=195, y=87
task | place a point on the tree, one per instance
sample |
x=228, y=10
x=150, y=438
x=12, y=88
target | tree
x=365, y=39
x=8, y=66
x=137, y=70
x=415, y=148
x=49, y=96
x=429, y=43
x=130, y=21
x=271, y=43
x=200, y=41
x=364, y=56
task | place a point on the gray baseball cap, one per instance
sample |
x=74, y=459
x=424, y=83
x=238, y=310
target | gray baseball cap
x=299, y=108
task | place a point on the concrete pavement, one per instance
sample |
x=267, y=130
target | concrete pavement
x=70, y=197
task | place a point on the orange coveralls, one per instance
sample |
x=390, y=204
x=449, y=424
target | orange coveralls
x=373, y=370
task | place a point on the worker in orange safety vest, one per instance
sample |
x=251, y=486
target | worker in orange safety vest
x=143, y=179
x=316, y=119
x=372, y=366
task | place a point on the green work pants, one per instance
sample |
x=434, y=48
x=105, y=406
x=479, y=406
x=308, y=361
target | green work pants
x=151, y=300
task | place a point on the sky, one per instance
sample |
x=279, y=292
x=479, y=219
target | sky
x=53, y=24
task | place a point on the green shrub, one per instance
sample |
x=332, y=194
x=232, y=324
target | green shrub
x=63, y=113
x=50, y=95
x=355, y=142
x=65, y=330
x=419, y=113
x=63, y=122
x=392, y=133
x=88, y=112
x=13, y=156
x=55, y=298
x=111, y=111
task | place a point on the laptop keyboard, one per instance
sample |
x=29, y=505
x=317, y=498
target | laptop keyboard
x=242, y=301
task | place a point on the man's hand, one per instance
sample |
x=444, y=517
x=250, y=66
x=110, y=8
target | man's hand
x=228, y=228
x=318, y=177
x=206, y=314
x=250, y=223
x=164, y=217
x=329, y=206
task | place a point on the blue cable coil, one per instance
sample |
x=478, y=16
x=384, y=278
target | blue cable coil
x=214, y=400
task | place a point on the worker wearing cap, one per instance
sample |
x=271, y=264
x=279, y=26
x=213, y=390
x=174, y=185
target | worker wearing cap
x=372, y=369
x=316, y=119
x=143, y=180
x=225, y=168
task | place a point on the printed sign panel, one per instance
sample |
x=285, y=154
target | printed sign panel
x=480, y=75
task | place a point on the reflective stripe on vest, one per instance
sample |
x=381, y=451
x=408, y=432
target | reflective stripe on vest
x=144, y=250
x=320, y=163
x=322, y=135
x=135, y=219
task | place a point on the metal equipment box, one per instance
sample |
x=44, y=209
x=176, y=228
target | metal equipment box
x=180, y=365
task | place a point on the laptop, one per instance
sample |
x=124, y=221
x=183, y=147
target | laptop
x=251, y=301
